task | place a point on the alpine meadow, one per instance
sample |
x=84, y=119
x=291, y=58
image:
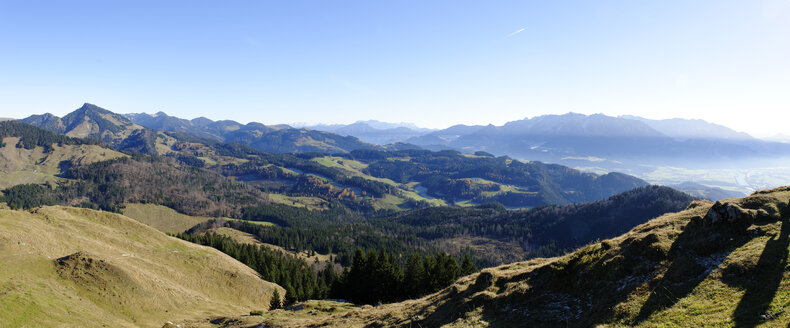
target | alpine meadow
x=394, y=164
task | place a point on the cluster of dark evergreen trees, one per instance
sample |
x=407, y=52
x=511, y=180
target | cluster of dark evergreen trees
x=31, y=137
x=300, y=280
x=325, y=232
x=29, y=196
x=374, y=277
x=378, y=277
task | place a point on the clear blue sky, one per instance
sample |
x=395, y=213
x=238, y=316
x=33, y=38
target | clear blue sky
x=434, y=63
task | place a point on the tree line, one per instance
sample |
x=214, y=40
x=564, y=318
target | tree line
x=378, y=277
x=31, y=137
x=373, y=277
x=300, y=280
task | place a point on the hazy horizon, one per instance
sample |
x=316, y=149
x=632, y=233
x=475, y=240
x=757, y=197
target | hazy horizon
x=404, y=122
x=433, y=64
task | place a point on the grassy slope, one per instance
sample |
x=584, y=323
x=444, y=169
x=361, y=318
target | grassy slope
x=246, y=238
x=168, y=220
x=670, y=272
x=312, y=203
x=392, y=202
x=127, y=275
x=20, y=166
x=302, y=314
x=162, y=218
x=167, y=145
x=673, y=271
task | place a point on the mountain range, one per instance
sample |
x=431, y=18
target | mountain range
x=547, y=137
x=362, y=179
x=595, y=143
x=143, y=132
x=682, y=129
x=605, y=141
x=375, y=132
x=308, y=219
x=301, y=193
x=573, y=139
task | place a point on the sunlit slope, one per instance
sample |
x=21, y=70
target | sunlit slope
x=76, y=267
x=688, y=269
x=37, y=165
x=162, y=218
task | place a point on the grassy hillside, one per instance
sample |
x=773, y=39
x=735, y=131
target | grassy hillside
x=19, y=165
x=393, y=201
x=713, y=265
x=162, y=218
x=32, y=155
x=311, y=203
x=78, y=267
x=246, y=238
x=686, y=269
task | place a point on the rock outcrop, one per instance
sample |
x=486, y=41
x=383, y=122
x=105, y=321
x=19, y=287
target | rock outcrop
x=733, y=214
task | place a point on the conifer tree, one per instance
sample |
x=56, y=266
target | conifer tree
x=290, y=295
x=415, y=274
x=275, y=303
x=468, y=267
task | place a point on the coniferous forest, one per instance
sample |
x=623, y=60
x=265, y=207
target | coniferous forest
x=373, y=277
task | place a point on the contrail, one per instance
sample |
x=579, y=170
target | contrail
x=516, y=32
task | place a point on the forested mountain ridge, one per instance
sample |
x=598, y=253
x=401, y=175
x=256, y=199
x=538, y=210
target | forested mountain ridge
x=414, y=178
x=374, y=179
x=91, y=121
x=481, y=178
x=274, y=138
x=544, y=231
x=147, y=137
x=30, y=137
x=719, y=264
x=32, y=155
x=491, y=233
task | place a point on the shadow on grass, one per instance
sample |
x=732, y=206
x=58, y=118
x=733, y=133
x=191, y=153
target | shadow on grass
x=694, y=253
x=581, y=291
x=685, y=273
x=763, y=281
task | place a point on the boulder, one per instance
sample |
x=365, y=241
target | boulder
x=733, y=214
